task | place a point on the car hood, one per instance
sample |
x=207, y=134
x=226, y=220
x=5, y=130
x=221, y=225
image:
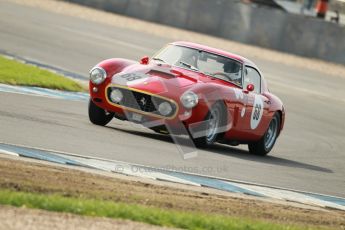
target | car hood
x=156, y=78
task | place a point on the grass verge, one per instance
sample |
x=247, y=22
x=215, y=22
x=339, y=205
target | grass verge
x=33, y=178
x=15, y=73
x=151, y=215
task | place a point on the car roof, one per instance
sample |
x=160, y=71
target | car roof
x=193, y=45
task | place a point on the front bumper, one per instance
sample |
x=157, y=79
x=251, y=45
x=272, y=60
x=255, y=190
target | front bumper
x=134, y=111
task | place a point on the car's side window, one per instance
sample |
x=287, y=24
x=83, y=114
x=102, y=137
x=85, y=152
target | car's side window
x=252, y=76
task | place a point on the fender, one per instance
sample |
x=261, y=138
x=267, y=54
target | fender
x=115, y=65
x=276, y=106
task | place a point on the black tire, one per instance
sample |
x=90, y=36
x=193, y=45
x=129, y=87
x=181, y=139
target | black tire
x=99, y=116
x=212, y=132
x=267, y=141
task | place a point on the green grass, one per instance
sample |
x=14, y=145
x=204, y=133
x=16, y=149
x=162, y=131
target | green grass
x=150, y=215
x=16, y=73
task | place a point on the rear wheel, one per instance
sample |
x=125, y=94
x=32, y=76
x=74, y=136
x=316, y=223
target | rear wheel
x=215, y=119
x=99, y=116
x=266, y=143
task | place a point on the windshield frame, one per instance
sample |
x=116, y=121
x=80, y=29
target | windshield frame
x=199, y=71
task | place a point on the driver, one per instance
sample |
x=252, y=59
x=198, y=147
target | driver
x=233, y=70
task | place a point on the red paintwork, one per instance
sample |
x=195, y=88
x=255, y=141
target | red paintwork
x=144, y=60
x=181, y=80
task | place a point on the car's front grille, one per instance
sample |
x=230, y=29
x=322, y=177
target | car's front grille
x=140, y=101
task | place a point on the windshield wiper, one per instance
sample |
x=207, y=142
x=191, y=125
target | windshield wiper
x=159, y=59
x=189, y=66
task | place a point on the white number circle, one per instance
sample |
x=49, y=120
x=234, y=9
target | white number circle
x=258, y=108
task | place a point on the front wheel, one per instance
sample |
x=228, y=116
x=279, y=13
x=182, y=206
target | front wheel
x=99, y=116
x=266, y=143
x=214, y=122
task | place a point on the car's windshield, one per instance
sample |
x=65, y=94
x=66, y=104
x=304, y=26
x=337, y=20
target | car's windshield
x=198, y=60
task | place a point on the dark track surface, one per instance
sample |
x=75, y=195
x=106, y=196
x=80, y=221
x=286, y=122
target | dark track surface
x=308, y=156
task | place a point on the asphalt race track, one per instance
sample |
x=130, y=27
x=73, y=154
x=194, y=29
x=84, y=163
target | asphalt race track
x=308, y=156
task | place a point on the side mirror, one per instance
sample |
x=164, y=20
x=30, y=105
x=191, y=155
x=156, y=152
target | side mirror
x=144, y=60
x=250, y=88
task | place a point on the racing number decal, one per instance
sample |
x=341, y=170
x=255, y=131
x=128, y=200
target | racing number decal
x=131, y=77
x=128, y=78
x=257, y=112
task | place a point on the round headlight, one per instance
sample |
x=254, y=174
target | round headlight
x=97, y=75
x=189, y=99
x=116, y=96
x=164, y=108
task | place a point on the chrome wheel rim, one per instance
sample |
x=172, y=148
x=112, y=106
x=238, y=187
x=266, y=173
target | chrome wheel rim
x=212, y=125
x=271, y=133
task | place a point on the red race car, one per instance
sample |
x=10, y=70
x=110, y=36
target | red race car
x=187, y=88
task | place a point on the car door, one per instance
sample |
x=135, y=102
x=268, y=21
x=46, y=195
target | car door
x=257, y=107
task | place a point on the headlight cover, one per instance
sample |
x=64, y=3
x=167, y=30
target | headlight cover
x=165, y=108
x=97, y=75
x=116, y=96
x=189, y=99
